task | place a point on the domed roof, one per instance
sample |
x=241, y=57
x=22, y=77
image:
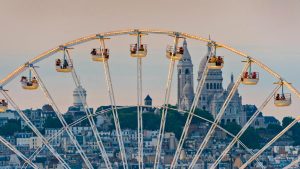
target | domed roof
x=188, y=90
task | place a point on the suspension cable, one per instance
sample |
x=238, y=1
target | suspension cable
x=270, y=143
x=89, y=115
x=35, y=130
x=241, y=132
x=160, y=136
x=113, y=106
x=199, y=88
x=61, y=118
x=218, y=118
x=17, y=152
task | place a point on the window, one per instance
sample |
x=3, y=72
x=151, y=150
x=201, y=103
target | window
x=215, y=85
x=218, y=86
x=207, y=86
x=179, y=71
x=210, y=85
x=187, y=71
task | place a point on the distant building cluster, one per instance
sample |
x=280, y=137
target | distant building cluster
x=213, y=94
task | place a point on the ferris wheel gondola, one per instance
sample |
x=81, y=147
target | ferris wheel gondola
x=215, y=62
x=282, y=99
x=100, y=54
x=177, y=55
x=29, y=83
x=250, y=77
x=3, y=105
x=64, y=65
x=138, y=52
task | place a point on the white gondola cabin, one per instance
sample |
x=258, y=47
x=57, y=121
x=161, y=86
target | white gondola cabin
x=216, y=62
x=282, y=100
x=63, y=66
x=100, y=55
x=177, y=55
x=29, y=83
x=138, y=53
x=3, y=106
x=250, y=78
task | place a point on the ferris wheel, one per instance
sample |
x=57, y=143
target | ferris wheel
x=31, y=80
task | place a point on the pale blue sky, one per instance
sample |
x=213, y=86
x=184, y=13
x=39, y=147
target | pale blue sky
x=267, y=30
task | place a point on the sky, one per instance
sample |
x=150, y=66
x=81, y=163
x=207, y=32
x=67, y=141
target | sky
x=266, y=30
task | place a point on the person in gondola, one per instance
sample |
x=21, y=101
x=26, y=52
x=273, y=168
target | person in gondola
x=34, y=80
x=181, y=50
x=134, y=49
x=106, y=55
x=254, y=75
x=23, y=79
x=277, y=96
x=282, y=97
x=246, y=75
x=58, y=62
x=94, y=52
x=65, y=65
x=219, y=61
x=213, y=59
x=142, y=48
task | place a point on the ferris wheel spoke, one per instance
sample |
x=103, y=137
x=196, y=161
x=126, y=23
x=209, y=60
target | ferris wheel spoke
x=17, y=152
x=218, y=118
x=89, y=117
x=241, y=132
x=270, y=143
x=61, y=119
x=114, y=107
x=35, y=130
x=161, y=132
x=140, y=135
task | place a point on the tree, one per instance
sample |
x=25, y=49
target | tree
x=251, y=138
x=274, y=128
x=286, y=121
x=52, y=122
x=232, y=127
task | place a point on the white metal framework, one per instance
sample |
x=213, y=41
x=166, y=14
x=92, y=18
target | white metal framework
x=139, y=53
